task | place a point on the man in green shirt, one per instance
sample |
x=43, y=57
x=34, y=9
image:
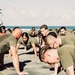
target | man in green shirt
x=45, y=32
x=63, y=31
x=33, y=32
x=7, y=42
x=66, y=51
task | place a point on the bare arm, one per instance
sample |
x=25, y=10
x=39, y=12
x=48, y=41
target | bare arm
x=18, y=45
x=34, y=48
x=15, y=59
x=43, y=44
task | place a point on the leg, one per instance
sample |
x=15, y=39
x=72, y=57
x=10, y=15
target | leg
x=1, y=61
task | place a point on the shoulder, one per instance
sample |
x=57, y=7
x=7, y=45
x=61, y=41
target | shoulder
x=20, y=40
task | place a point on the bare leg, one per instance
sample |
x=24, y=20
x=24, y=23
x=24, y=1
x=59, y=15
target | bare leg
x=70, y=70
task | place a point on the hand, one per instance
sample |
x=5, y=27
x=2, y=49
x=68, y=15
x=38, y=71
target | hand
x=22, y=73
x=53, y=74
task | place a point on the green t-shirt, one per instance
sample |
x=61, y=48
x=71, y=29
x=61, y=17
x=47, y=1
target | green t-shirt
x=67, y=51
x=6, y=41
x=33, y=33
x=29, y=42
x=67, y=55
x=68, y=40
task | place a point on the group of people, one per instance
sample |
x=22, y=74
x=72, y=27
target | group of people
x=58, y=48
x=11, y=40
x=54, y=47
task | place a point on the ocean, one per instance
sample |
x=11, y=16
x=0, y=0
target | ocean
x=38, y=27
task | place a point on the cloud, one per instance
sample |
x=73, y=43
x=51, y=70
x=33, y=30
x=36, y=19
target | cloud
x=23, y=15
x=65, y=17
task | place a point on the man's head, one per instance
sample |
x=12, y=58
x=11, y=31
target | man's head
x=33, y=29
x=42, y=52
x=51, y=40
x=3, y=28
x=62, y=31
x=44, y=30
x=1, y=33
x=17, y=33
x=15, y=28
x=48, y=55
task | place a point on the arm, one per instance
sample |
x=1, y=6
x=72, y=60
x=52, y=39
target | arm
x=34, y=48
x=43, y=44
x=56, y=65
x=18, y=45
x=16, y=61
x=55, y=68
x=70, y=70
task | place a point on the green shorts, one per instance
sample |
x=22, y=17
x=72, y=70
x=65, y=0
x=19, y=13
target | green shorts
x=4, y=49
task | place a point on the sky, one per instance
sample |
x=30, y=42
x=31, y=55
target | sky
x=37, y=12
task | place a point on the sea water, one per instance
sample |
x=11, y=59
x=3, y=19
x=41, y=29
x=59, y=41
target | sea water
x=38, y=27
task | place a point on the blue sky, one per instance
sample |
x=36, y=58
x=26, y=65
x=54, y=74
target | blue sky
x=38, y=12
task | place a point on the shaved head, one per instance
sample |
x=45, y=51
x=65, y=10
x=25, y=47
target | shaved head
x=17, y=33
x=50, y=40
